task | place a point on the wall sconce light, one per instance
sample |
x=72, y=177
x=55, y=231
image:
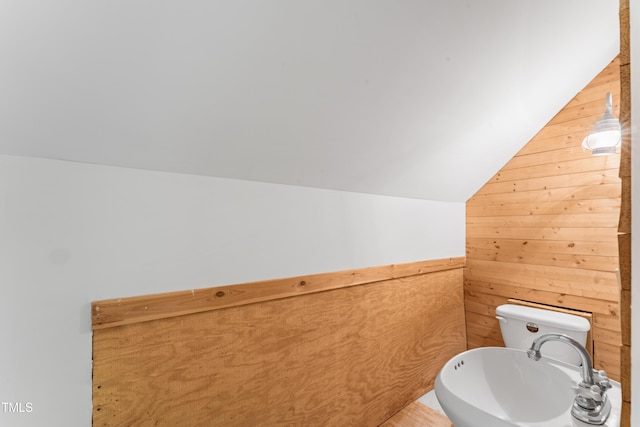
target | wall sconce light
x=606, y=134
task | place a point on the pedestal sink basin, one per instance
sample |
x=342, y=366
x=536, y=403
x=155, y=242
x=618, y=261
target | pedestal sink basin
x=500, y=387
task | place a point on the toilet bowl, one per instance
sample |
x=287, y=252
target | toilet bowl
x=520, y=325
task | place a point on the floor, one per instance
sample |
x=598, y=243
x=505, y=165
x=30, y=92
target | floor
x=424, y=412
x=431, y=401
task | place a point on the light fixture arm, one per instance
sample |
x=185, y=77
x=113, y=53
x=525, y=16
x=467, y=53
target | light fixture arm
x=609, y=103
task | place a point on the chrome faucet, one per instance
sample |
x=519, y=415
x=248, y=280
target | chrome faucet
x=591, y=404
x=587, y=367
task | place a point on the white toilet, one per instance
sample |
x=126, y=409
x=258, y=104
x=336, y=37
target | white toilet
x=520, y=325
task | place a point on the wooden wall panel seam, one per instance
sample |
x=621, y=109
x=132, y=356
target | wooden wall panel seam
x=561, y=168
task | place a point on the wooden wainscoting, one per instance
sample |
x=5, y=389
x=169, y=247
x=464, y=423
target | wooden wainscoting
x=544, y=229
x=348, y=351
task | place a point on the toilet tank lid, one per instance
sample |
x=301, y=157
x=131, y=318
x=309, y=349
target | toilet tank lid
x=544, y=317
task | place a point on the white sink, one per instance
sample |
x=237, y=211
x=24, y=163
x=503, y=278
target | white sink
x=496, y=387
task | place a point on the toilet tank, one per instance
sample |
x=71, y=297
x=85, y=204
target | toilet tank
x=520, y=325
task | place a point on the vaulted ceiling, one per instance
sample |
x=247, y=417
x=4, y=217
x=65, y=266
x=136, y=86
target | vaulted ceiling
x=409, y=98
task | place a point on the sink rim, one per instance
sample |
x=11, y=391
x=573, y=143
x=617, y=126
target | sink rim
x=448, y=396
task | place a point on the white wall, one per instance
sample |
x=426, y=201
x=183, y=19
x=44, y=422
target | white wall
x=72, y=233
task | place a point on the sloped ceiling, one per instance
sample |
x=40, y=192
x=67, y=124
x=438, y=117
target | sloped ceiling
x=410, y=98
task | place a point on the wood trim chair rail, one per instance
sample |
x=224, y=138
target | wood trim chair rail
x=124, y=311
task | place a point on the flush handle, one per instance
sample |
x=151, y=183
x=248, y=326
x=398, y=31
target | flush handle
x=532, y=327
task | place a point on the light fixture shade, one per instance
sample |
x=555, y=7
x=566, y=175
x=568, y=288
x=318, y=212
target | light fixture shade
x=606, y=135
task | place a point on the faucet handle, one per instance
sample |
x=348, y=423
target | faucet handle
x=589, y=397
x=600, y=373
x=601, y=379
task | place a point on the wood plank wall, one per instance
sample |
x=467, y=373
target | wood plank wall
x=544, y=229
x=345, y=351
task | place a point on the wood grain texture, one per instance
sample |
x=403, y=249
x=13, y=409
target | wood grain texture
x=624, y=223
x=583, y=108
x=123, y=311
x=544, y=229
x=533, y=247
x=558, y=299
x=625, y=214
x=607, y=176
x=348, y=356
x=625, y=375
x=417, y=414
x=600, y=285
x=595, y=164
x=625, y=33
x=587, y=192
